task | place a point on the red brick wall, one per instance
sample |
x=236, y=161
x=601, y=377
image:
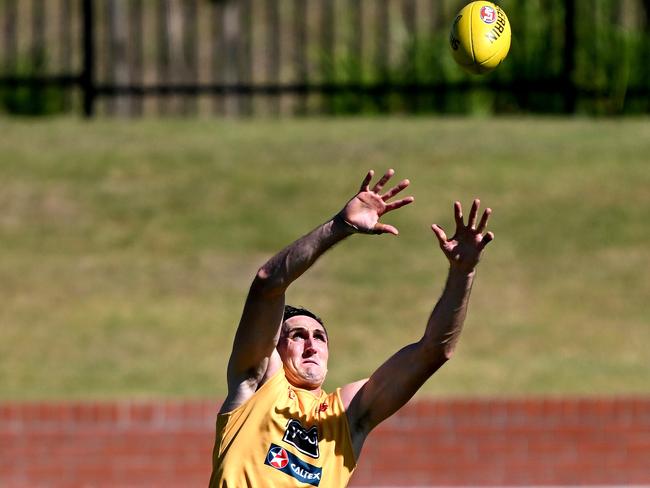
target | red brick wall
x=518, y=442
x=459, y=442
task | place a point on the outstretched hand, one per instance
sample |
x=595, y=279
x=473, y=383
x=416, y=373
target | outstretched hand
x=363, y=212
x=464, y=249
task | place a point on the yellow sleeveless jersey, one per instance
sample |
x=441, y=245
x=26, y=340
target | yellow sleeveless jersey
x=283, y=437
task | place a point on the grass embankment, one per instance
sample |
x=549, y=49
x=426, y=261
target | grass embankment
x=128, y=247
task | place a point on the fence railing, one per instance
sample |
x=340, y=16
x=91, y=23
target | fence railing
x=245, y=57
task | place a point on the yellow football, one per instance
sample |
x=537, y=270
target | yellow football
x=480, y=37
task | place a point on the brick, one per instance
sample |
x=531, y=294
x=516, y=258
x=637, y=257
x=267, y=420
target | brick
x=83, y=413
x=142, y=414
x=8, y=413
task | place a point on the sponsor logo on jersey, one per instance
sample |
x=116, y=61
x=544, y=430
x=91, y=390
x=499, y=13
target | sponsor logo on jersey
x=292, y=466
x=488, y=15
x=277, y=457
x=305, y=440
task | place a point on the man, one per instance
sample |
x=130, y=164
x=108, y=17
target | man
x=276, y=426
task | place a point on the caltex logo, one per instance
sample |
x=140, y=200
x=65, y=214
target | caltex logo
x=488, y=15
x=277, y=457
x=288, y=463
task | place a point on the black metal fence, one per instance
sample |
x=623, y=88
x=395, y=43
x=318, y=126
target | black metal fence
x=246, y=57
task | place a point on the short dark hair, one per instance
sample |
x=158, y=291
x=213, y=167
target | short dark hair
x=290, y=311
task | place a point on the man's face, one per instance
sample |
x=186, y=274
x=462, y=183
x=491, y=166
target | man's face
x=304, y=352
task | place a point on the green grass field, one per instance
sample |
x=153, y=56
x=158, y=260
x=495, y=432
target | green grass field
x=128, y=248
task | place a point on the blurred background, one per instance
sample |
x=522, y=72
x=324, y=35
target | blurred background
x=154, y=153
x=256, y=57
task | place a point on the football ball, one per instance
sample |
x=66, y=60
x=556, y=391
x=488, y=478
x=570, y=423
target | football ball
x=480, y=37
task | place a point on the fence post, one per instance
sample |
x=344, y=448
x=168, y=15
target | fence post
x=136, y=60
x=10, y=36
x=382, y=54
x=356, y=42
x=643, y=53
x=163, y=63
x=245, y=64
x=300, y=54
x=66, y=48
x=231, y=43
x=189, y=65
x=327, y=53
x=87, y=78
x=38, y=37
x=272, y=53
x=117, y=59
x=569, y=56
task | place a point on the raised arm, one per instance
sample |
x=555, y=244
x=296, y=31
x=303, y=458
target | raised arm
x=368, y=402
x=253, y=356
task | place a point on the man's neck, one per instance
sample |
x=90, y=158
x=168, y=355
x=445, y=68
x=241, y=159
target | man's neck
x=314, y=390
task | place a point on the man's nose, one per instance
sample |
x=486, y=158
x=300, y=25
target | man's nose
x=309, y=345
